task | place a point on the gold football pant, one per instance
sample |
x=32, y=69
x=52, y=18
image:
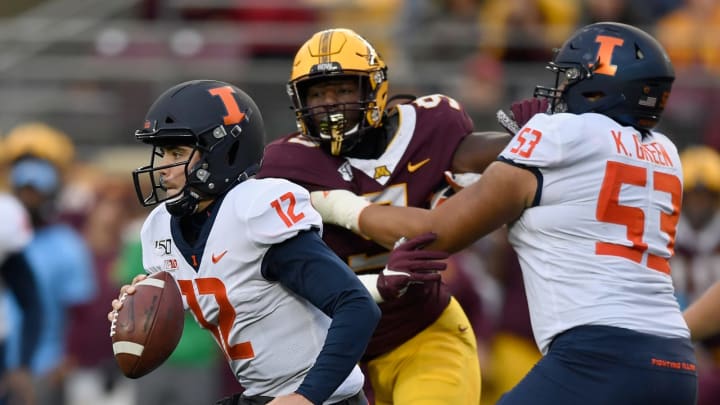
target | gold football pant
x=511, y=358
x=437, y=366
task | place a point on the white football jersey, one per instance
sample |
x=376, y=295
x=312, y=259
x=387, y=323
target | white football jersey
x=15, y=229
x=15, y=234
x=596, y=247
x=270, y=336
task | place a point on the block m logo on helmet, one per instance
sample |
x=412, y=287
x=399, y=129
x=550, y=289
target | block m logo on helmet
x=604, y=64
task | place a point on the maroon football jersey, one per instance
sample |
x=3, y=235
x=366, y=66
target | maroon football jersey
x=408, y=172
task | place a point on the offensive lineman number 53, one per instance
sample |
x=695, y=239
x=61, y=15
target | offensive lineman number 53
x=609, y=209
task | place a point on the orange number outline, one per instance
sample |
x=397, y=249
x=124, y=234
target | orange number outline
x=609, y=210
x=226, y=315
x=530, y=145
x=289, y=217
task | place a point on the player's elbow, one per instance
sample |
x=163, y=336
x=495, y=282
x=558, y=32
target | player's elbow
x=374, y=312
x=369, y=311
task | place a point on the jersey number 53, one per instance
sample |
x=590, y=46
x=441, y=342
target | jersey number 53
x=610, y=210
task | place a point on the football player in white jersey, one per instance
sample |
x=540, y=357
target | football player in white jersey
x=591, y=195
x=290, y=316
x=17, y=277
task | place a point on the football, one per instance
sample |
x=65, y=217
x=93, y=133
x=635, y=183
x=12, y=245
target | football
x=148, y=327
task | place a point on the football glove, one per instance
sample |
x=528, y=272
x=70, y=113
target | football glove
x=409, y=264
x=521, y=112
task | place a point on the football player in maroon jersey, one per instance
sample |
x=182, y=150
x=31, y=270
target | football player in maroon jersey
x=347, y=139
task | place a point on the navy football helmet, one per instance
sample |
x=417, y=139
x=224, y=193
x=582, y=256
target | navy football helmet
x=613, y=69
x=220, y=122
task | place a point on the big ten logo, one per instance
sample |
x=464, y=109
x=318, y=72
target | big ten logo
x=170, y=264
x=163, y=247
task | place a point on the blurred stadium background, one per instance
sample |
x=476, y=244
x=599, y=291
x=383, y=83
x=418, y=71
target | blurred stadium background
x=91, y=68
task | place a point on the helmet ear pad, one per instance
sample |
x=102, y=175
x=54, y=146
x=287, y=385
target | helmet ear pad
x=601, y=94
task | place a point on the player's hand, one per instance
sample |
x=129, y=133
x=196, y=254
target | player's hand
x=521, y=112
x=17, y=384
x=409, y=264
x=291, y=399
x=127, y=289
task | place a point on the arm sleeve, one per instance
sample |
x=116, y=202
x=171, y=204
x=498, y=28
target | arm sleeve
x=305, y=265
x=21, y=282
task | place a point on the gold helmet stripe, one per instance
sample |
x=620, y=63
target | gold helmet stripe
x=325, y=42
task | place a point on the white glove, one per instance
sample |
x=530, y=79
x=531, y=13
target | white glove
x=339, y=207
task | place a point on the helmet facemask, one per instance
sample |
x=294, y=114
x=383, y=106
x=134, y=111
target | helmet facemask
x=151, y=188
x=566, y=75
x=333, y=56
x=339, y=126
x=204, y=180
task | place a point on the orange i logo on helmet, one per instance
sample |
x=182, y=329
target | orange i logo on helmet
x=603, y=62
x=234, y=115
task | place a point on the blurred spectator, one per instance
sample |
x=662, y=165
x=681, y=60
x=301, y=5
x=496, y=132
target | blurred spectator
x=642, y=13
x=109, y=205
x=495, y=301
x=375, y=17
x=435, y=38
x=696, y=264
x=439, y=29
x=268, y=26
x=480, y=87
x=16, y=384
x=525, y=30
x=39, y=156
x=691, y=35
x=192, y=374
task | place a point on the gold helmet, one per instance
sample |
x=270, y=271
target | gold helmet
x=39, y=140
x=338, y=53
x=701, y=168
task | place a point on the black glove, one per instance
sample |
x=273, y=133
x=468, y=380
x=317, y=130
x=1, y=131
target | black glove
x=408, y=264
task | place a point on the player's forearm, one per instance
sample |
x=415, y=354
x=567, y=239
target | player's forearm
x=352, y=325
x=306, y=266
x=478, y=150
x=386, y=224
x=703, y=316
